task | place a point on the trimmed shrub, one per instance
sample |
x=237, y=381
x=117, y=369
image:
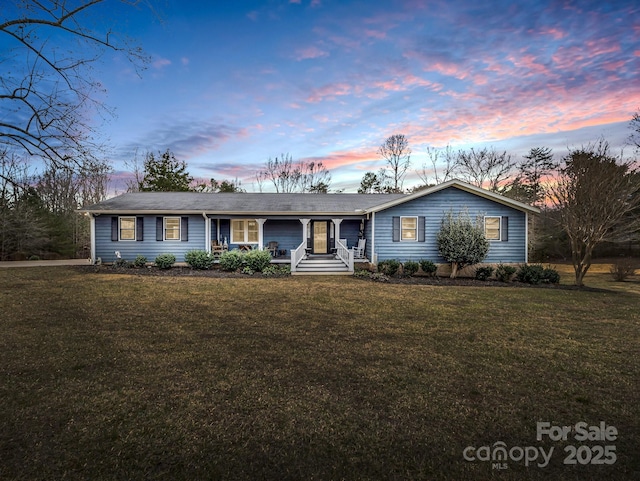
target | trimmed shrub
x=483, y=273
x=140, y=261
x=530, y=273
x=536, y=274
x=550, y=276
x=505, y=273
x=199, y=259
x=248, y=270
x=379, y=277
x=257, y=260
x=409, y=268
x=231, y=260
x=428, y=267
x=121, y=263
x=389, y=267
x=622, y=269
x=275, y=270
x=165, y=261
x=362, y=274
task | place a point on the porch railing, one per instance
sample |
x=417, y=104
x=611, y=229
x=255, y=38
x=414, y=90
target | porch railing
x=297, y=255
x=344, y=254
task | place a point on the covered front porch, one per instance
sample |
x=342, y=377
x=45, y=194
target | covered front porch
x=300, y=242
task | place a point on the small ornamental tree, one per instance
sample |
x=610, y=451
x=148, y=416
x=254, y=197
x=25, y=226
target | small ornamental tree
x=461, y=241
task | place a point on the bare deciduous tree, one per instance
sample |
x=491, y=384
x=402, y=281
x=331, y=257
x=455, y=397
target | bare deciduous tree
x=594, y=193
x=288, y=176
x=443, y=166
x=634, y=138
x=46, y=89
x=484, y=168
x=396, y=151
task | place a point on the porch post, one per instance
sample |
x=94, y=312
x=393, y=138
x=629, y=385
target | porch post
x=261, y=232
x=305, y=223
x=207, y=233
x=336, y=223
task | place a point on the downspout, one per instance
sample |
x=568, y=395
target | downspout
x=373, y=239
x=526, y=237
x=207, y=233
x=92, y=254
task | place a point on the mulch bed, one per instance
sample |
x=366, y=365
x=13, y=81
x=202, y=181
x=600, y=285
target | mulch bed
x=180, y=271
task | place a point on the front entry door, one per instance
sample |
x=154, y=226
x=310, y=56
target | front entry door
x=320, y=237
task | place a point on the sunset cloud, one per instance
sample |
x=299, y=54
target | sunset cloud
x=337, y=80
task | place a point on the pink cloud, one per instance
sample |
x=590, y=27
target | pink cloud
x=330, y=91
x=339, y=159
x=448, y=69
x=556, y=33
x=310, y=53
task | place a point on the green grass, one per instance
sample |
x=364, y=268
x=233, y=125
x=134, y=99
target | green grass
x=108, y=376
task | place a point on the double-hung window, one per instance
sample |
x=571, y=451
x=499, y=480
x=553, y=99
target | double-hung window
x=244, y=231
x=409, y=228
x=127, y=228
x=492, y=226
x=172, y=228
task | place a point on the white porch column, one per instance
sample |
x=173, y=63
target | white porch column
x=207, y=233
x=305, y=223
x=261, y=232
x=336, y=223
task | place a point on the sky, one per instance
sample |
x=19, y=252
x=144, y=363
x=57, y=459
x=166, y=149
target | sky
x=232, y=83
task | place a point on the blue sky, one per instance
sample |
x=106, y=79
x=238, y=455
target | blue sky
x=232, y=83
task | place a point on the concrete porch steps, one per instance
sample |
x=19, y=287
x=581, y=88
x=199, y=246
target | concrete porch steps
x=329, y=267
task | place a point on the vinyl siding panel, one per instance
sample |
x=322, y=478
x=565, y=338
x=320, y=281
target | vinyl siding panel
x=433, y=207
x=149, y=247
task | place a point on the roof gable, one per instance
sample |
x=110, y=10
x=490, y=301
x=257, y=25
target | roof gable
x=458, y=184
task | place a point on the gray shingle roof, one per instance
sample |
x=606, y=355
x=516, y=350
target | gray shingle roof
x=241, y=203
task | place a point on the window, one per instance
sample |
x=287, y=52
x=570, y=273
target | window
x=409, y=228
x=172, y=228
x=244, y=231
x=127, y=228
x=492, y=228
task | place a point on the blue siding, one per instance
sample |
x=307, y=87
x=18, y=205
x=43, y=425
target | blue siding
x=433, y=207
x=349, y=229
x=287, y=233
x=149, y=247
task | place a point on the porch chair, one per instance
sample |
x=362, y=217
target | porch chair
x=358, y=252
x=272, y=247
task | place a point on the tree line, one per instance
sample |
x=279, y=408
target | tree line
x=48, y=95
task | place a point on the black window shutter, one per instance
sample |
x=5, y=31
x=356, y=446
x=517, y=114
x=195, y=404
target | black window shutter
x=504, y=229
x=184, y=229
x=396, y=229
x=139, y=228
x=159, y=229
x=421, y=228
x=114, y=228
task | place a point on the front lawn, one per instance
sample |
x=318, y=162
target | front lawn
x=119, y=376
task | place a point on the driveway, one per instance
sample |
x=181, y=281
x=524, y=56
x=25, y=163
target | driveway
x=61, y=262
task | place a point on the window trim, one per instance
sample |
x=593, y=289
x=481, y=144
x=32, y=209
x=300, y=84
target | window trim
x=415, y=230
x=135, y=228
x=499, y=217
x=245, y=232
x=164, y=229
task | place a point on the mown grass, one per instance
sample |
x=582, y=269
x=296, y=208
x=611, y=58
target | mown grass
x=108, y=376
